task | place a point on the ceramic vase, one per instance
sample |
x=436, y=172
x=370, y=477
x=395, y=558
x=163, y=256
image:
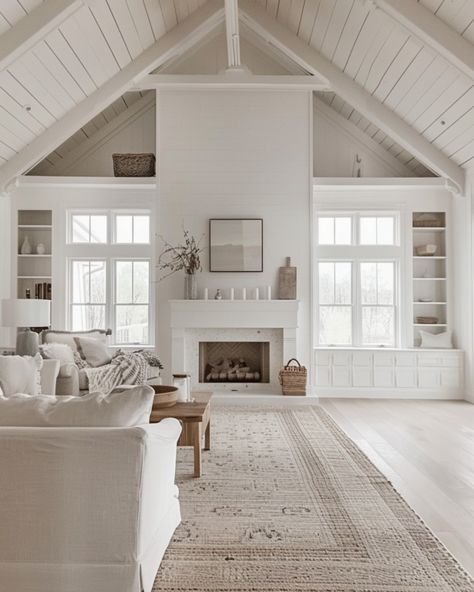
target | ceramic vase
x=190, y=286
x=25, y=246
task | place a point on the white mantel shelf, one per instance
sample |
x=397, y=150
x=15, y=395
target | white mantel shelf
x=214, y=314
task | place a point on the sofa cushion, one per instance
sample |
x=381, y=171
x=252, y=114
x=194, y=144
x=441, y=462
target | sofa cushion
x=58, y=351
x=67, y=337
x=93, y=351
x=20, y=374
x=126, y=408
x=436, y=341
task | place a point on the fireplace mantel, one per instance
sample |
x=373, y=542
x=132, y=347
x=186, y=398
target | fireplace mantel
x=232, y=320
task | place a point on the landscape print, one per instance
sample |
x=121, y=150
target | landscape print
x=236, y=244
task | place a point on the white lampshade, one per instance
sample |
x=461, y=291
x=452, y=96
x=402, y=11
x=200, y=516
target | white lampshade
x=25, y=312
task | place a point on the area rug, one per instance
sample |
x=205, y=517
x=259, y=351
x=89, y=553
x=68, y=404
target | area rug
x=287, y=502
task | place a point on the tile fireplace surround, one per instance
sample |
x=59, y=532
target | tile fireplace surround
x=196, y=321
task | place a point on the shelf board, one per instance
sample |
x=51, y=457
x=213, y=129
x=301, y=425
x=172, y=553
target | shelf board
x=36, y=226
x=34, y=277
x=429, y=228
x=430, y=279
x=430, y=325
x=439, y=257
x=34, y=255
x=431, y=302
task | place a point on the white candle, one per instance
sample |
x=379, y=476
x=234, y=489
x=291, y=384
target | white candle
x=257, y=294
x=269, y=292
x=244, y=293
x=206, y=294
x=231, y=293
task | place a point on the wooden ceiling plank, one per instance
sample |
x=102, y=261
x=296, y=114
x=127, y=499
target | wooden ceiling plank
x=155, y=15
x=19, y=113
x=352, y=33
x=33, y=27
x=326, y=8
x=121, y=13
x=295, y=15
x=185, y=35
x=464, y=154
x=111, y=32
x=13, y=11
x=308, y=18
x=385, y=57
x=169, y=13
x=347, y=89
x=142, y=22
x=336, y=27
x=432, y=31
x=397, y=69
x=451, y=116
x=13, y=88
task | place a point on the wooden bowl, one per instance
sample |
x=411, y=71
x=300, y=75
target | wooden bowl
x=165, y=396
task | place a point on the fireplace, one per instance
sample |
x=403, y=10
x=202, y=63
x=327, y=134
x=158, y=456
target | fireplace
x=234, y=361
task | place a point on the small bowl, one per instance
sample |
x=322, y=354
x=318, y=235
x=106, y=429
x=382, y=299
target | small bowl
x=165, y=396
x=426, y=250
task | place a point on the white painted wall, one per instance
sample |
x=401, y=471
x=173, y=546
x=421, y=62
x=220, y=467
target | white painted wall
x=5, y=259
x=236, y=154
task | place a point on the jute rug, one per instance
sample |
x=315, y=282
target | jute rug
x=288, y=502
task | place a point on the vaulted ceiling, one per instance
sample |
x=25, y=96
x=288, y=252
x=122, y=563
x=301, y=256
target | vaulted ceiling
x=400, y=70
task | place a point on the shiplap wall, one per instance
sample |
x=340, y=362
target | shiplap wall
x=5, y=259
x=236, y=154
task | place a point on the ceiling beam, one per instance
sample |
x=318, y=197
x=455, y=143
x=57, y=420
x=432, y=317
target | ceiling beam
x=34, y=27
x=232, y=33
x=230, y=80
x=179, y=39
x=430, y=29
x=370, y=107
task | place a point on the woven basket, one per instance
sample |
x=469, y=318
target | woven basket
x=134, y=165
x=427, y=320
x=293, y=378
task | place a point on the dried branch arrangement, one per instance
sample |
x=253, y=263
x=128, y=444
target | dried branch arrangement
x=182, y=256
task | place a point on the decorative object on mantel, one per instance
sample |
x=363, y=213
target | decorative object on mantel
x=25, y=246
x=236, y=244
x=40, y=249
x=426, y=250
x=206, y=293
x=134, y=165
x=183, y=257
x=218, y=295
x=244, y=293
x=287, y=281
x=293, y=378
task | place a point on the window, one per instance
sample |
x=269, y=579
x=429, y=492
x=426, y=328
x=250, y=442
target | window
x=132, y=287
x=88, y=228
x=109, y=258
x=356, y=279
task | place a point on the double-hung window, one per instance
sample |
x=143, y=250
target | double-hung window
x=356, y=279
x=109, y=258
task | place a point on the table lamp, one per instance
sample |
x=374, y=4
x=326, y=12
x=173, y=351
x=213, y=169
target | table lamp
x=25, y=313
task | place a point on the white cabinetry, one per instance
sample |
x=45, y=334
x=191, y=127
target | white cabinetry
x=407, y=373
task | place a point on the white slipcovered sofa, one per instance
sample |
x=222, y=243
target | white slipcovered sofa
x=86, y=508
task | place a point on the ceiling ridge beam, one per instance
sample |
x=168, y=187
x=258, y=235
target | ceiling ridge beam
x=370, y=107
x=33, y=28
x=351, y=130
x=178, y=39
x=99, y=137
x=432, y=31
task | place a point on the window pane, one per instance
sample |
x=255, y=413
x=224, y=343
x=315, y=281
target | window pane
x=326, y=283
x=368, y=231
x=98, y=229
x=368, y=283
x=80, y=229
x=335, y=325
x=343, y=231
x=131, y=324
x=385, y=230
x=141, y=229
x=85, y=317
x=385, y=287
x=378, y=325
x=124, y=229
x=124, y=281
x=98, y=285
x=326, y=231
x=141, y=282
x=343, y=287
x=80, y=281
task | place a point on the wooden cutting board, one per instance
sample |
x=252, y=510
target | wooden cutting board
x=287, y=281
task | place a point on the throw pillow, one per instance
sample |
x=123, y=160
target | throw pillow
x=121, y=409
x=95, y=352
x=438, y=341
x=58, y=351
x=20, y=374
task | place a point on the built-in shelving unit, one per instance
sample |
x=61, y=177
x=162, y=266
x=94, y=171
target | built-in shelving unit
x=430, y=285
x=34, y=270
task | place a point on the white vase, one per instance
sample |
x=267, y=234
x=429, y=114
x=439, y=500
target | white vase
x=40, y=249
x=25, y=246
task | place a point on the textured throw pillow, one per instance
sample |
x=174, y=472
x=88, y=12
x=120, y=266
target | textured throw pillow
x=438, y=341
x=58, y=351
x=95, y=352
x=120, y=409
x=20, y=374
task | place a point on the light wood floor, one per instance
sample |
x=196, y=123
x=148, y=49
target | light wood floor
x=426, y=449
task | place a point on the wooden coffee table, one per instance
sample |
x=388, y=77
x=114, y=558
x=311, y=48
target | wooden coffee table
x=196, y=421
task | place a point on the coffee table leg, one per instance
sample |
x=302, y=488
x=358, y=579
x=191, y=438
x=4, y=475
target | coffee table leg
x=197, y=449
x=207, y=436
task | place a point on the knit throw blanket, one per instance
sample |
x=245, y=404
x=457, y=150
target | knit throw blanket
x=125, y=368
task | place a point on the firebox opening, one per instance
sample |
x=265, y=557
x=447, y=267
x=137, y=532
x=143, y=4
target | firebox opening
x=234, y=361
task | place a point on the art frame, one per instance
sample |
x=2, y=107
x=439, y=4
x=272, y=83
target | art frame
x=236, y=245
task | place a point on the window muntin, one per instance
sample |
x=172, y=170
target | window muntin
x=88, y=228
x=88, y=294
x=132, y=229
x=132, y=296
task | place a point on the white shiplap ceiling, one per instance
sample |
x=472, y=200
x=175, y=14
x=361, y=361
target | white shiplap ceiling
x=101, y=38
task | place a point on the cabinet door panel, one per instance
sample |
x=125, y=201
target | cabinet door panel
x=362, y=376
x=451, y=378
x=322, y=376
x=361, y=359
x=405, y=377
x=384, y=359
x=429, y=377
x=405, y=359
x=384, y=376
x=341, y=376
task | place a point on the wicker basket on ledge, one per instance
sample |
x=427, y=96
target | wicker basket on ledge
x=134, y=165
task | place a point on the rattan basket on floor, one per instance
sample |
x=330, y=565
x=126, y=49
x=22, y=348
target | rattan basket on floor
x=134, y=165
x=293, y=378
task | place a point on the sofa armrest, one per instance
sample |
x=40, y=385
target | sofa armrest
x=49, y=374
x=67, y=383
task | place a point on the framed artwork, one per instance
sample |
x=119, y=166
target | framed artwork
x=235, y=244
